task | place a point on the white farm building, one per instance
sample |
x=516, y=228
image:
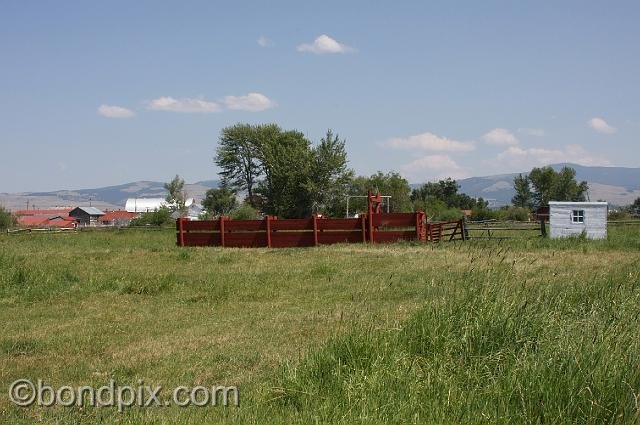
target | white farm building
x=575, y=218
x=140, y=205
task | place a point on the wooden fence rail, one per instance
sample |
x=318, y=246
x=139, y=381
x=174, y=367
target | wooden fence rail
x=273, y=232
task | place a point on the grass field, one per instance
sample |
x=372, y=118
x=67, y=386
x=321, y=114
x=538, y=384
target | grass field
x=502, y=331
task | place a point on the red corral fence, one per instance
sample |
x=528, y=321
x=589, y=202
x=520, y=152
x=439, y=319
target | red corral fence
x=273, y=232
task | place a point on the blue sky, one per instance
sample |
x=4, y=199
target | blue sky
x=96, y=94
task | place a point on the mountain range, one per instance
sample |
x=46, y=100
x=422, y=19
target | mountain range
x=617, y=185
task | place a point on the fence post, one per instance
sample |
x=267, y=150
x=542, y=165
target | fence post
x=268, y=219
x=221, y=231
x=465, y=231
x=364, y=228
x=181, y=231
x=315, y=230
x=543, y=228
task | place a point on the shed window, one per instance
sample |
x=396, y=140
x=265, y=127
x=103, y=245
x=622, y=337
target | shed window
x=577, y=216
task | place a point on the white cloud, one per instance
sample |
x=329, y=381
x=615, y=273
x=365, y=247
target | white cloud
x=264, y=41
x=186, y=105
x=532, y=157
x=601, y=126
x=538, y=132
x=434, y=167
x=252, y=102
x=430, y=142
x=111, y=111
x=324, y=44
x=500, y=137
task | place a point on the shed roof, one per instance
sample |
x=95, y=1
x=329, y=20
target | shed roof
x=576, y=203
x=88, y=210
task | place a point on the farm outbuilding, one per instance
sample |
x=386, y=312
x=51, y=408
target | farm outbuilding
x=576, y=218
x=86, y=216
x=143, y=205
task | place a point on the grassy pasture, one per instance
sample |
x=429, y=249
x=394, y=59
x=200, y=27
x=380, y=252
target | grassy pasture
x=500, y=331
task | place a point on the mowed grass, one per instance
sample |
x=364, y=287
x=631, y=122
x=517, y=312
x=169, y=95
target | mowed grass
x=531, y=331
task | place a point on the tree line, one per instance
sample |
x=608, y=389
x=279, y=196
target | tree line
x=281, y=172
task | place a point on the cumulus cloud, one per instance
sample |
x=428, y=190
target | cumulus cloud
x=186, y=105
x=264, y=41
x=525, y=158
x=500, y=137
x=430, y=142
x=111, y=111
x=252, y=102
x=434, y=167
x=601, y=126
x=324, y=44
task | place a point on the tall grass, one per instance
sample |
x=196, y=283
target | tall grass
x=503, y=331
x=485, y=351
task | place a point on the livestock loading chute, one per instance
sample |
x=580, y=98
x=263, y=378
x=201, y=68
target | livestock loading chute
x=272, y=232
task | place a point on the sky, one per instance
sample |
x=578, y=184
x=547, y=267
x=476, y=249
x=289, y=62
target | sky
x=103, y=93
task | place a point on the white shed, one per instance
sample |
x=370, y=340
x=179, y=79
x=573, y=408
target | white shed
x=574, y=218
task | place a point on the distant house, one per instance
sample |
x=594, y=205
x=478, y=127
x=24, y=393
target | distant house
x=31, y=221
x=64, y=222
x=577, y=218
x=86, y=216
x=117, y=218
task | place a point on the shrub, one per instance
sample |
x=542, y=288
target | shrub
x=159, y=217
x=7, y=219
x=514, y=214
x=245, y=212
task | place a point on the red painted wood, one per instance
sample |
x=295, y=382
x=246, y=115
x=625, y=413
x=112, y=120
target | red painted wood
x=222, y=235
x=315, y=230
x=181, y=232
x=245, y=239
x=328, y=238
x=339, y=224
x=394, y=220
x=201, y=225
x=268, y=220
x=291, y=239
x=245, y=225
x=202, y=239
x=292, y=224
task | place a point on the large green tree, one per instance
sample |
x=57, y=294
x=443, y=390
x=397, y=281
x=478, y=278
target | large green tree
x=237, y=156
x=281, y=172
x=219, y=201
x=446, y=191
x=523, y=197
x=550, y=185
x=177, y=197
x=330, y=176
x=286, y=160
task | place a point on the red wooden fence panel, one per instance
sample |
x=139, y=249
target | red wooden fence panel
x=274, y=232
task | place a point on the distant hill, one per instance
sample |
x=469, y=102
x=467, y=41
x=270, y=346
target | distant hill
x=110, y=197
x=617, y=185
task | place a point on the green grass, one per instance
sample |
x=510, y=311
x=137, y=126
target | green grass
x=502, y=331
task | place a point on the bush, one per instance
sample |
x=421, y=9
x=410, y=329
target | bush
x=437, y=210
x=245, y=212
x=621, y=214
x=159, y=217
x=514, y=214
x=7, y=219
x=484, y=214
